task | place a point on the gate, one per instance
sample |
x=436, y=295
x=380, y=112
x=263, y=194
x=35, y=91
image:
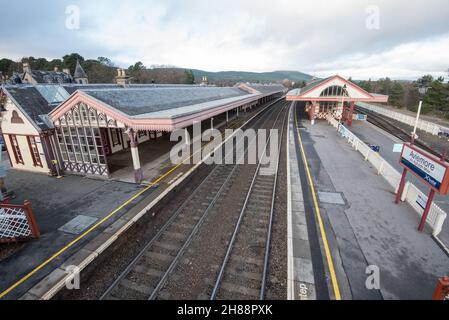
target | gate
x=17, y=223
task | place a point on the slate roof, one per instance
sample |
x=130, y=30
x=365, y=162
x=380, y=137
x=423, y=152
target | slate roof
x=267, y=88
x=51, y=77
x=79, y=71
x=138, y=101
x=31, y=101
x=309, y=86
x=37, y=101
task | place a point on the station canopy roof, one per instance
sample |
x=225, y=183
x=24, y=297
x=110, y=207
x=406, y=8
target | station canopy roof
x=334, y=88
x=143, y=107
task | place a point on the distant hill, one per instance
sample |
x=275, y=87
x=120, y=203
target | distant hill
x=242, y=76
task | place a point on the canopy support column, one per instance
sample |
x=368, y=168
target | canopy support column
x=138, y=174
x=351, y=113
x=343, y=115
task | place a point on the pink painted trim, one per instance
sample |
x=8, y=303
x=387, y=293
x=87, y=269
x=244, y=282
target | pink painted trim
x=356, y=87
x=379, y=99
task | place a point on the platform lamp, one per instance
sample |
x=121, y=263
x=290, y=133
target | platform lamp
x=415, y=128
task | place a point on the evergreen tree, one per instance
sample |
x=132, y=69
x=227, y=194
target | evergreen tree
x=397, y=94
x=69, y=61
x=437, y=96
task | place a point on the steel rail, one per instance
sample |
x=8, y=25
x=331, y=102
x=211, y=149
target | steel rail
x=381, y=122
x=238, y=224
x=134, y=262
x=270, y=224
x=181, y=251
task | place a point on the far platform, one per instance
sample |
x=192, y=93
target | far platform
x=364, y=227
x=367, y=132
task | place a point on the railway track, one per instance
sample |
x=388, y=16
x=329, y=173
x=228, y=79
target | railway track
x=399, y=133
x=148, y=272
x=243, y=273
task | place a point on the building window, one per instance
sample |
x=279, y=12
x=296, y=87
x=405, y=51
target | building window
x=115, y=137
x=16, y=149
x=142, y=134
x=34, y=151
x=16, y=119
x=334, y=91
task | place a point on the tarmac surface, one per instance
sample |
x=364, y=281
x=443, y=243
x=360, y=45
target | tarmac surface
x=369, y=229
x=55, y=202
x=373, y=135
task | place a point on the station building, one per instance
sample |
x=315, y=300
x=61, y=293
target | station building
x=89, y=129
x=332, y=96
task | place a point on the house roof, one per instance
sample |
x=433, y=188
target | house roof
x=312, y=91
x=79, y=71
x=50, y=77
x=32, y=103
x=135, y=101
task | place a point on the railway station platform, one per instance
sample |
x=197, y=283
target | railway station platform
x=373, y=135
x=364, y=230
x=80, y=218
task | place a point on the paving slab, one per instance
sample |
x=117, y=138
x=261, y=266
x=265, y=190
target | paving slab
x=59, y=205
x=374, y=135
x=371, y=229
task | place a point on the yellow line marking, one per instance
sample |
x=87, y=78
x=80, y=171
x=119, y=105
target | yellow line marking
x=320, y=220
x=95, y=226
x=99, y=223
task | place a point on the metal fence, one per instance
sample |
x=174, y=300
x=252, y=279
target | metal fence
x=423, y=125
x=17, y=223
x=411, y=193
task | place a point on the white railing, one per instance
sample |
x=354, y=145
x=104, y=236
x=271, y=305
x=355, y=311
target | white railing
x=423, y=125
x=411, y=194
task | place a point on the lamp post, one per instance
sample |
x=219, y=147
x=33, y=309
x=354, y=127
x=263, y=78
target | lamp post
x=414, y=136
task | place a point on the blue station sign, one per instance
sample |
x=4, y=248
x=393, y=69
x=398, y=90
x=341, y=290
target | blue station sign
x=429, y=169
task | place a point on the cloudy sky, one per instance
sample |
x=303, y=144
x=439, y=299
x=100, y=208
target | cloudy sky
x=403, y=39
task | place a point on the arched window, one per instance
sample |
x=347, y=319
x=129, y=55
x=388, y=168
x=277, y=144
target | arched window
x=93, y=116
x=16, y=118
x=335, y=91
x=76, y=116
x=84, y=116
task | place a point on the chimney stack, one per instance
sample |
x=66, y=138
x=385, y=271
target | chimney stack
x=66, y=71
x=26, y=67
x=56, y=69
x=122, y=79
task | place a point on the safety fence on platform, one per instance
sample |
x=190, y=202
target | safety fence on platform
x=17, y=223
x=423, y=125
x=411, y=194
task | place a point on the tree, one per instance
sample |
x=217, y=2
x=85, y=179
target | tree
x=105, y=61
x=299, y=84
x=138, y=66
x=437, y=96
x=411, y=97
x=6, y=65
x=287, y=83
x=190, y=78
x=69, y=61
x=366, y=85
x=397, y=94
x=385, y=85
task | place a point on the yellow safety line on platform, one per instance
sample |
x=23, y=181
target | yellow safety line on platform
x=95, y=226
x=320, y=220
